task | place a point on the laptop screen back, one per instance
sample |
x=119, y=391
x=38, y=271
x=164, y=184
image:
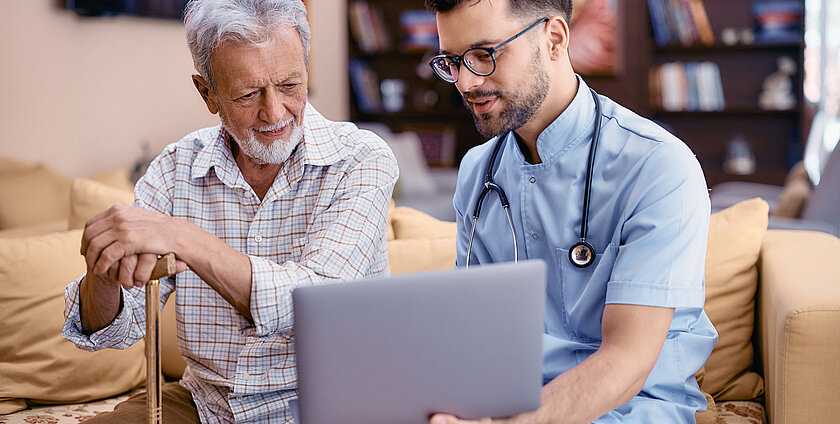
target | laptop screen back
x=398, y=349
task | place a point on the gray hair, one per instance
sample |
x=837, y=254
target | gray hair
x=209, y=23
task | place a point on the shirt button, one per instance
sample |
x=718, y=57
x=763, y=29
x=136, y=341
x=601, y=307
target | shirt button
x=533, y=180
x=535, y=236
x=258, y=239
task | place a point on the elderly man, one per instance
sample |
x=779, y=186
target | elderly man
x=274, y=198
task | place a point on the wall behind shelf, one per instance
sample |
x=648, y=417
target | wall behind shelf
x=81, y=95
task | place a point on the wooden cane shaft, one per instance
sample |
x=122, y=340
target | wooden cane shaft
x=164, y=267
x=153, y=373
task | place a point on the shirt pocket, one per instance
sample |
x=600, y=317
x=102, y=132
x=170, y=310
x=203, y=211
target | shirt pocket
x=583, y=292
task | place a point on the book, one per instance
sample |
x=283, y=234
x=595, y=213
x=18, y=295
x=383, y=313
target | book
x=419, y=30
x=367, y=27
x=661, y=32
x=683, y=22
x=365, y=85
x=690, y=86
x=701, y=18
x=680, y=21
x=777, y=20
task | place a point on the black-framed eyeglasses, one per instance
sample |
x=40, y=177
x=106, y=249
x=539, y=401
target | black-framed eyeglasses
x=479, y=60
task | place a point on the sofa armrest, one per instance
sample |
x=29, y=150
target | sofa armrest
x=799, y=325
x=780, y=223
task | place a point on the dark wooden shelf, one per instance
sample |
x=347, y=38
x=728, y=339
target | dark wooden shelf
x=717, y=48
x=725, y=113
x=393, y=54
x=430, y=116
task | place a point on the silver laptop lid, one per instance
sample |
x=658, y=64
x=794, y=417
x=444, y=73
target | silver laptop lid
x=398, y=349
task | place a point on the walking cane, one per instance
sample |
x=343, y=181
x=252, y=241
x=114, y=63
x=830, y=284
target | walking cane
x=165, y=266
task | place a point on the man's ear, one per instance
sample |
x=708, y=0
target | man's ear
x=206, y=93
x=558, y=37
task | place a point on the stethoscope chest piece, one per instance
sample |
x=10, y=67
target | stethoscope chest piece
x=582, y=254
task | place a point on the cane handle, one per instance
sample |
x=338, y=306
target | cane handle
x=164, y=267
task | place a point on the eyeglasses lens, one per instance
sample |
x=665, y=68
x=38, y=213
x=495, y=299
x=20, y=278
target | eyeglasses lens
x=479, y=61
x=446, y=68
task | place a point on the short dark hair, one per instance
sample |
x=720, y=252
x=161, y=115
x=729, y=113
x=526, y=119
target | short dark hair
x=524, y=8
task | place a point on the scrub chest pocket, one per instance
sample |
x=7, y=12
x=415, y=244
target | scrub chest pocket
x=577, y=303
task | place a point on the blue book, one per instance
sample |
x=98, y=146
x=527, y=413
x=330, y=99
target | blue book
x=660, y=26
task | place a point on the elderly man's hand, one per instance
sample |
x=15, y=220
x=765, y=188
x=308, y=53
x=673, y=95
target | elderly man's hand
x=450, y=419
x=526, y=418
x=122, y=243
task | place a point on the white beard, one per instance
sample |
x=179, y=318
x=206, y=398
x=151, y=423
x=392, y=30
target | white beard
x=275, y=153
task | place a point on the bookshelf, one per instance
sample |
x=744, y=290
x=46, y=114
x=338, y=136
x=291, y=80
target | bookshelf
x=392, y=41
x=773, y=136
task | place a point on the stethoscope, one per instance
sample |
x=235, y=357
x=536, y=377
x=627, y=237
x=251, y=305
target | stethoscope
x=582, y=253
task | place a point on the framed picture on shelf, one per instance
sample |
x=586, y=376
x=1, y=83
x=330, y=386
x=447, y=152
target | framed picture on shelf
x=594, y=47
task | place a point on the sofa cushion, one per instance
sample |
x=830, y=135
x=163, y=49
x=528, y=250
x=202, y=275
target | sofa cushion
x=34, y=196
x=36, y=363
x=10, y=166
x=795, y=193
x=735, y=236
x=421, y=242
x=389, y=223
x=418, y=255
x=89, y=197
x=118, y=178
x=412, y=224
x=35, y=229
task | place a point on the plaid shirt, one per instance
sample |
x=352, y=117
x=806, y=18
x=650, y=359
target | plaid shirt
x=322, y=219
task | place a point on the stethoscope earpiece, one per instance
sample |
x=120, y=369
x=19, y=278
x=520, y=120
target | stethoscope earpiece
x=582, y=254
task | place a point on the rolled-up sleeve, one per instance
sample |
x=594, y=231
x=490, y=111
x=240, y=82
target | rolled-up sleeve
x=125, y=330
x=661, y=256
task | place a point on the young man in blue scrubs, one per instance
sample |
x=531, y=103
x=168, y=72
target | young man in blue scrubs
x=624, y=334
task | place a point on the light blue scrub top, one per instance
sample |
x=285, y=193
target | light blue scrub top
x=648, y=222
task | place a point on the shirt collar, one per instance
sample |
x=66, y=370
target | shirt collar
x=319, y=147
x=215, y=154
x=573, y=125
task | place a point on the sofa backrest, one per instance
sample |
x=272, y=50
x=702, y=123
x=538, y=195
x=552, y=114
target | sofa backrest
x=824, y=203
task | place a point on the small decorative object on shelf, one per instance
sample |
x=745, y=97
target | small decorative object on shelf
x=729, y=36
x=739, y=158
x=747, y=36
x=393, y=94
x=777, y=89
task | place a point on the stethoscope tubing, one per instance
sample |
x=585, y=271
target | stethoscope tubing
x=490, y=185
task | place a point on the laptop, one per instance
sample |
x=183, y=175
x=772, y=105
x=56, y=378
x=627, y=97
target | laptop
x=396, y=350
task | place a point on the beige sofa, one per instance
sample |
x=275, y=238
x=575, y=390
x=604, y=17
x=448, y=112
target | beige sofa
x=789, y=280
